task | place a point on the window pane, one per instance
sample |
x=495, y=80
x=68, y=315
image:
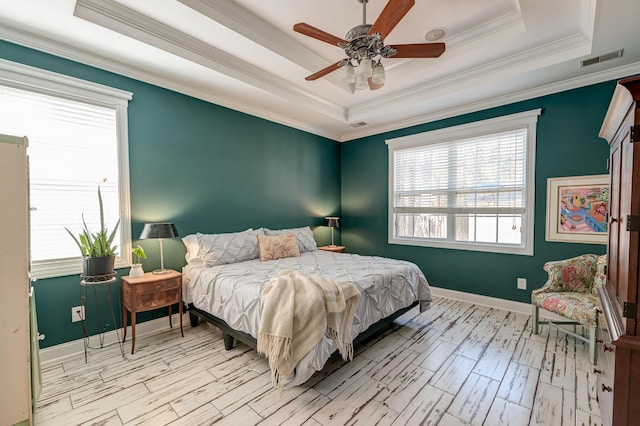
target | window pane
x=509, y=229
x=404, y=225
x=421, y=226
x=486, y=228
x=73, y=149
x=436, y=225
x=465, y=227
x=55, y=207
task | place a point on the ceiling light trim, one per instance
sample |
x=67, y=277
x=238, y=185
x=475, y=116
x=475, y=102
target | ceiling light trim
x=128, y=22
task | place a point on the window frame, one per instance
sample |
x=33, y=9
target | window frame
x=24, y=77
x=528, y=120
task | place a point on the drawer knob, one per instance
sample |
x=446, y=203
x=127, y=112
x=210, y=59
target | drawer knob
x=613, y=220
x=596, y=371
x=599, y=341
x=606, y=388
x=607, y=348
x=157, y=288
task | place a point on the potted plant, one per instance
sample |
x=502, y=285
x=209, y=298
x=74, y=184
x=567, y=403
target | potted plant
x=97, y=249
x=136, y=269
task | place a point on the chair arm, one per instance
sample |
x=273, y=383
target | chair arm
x=575, y=274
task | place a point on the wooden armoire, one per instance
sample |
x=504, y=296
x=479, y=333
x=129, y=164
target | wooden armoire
x=619, y=366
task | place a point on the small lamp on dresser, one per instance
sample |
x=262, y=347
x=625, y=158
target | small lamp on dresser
x=332, y=222
x=160, y=231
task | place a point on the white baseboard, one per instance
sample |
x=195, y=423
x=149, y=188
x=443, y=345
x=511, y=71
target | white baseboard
x=60, y=353
x=492, y=302
x=477, y=299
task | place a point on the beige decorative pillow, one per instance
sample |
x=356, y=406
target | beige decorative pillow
x=273, y=247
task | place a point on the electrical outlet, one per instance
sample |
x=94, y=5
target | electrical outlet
x=522, y=283
x=77, y=313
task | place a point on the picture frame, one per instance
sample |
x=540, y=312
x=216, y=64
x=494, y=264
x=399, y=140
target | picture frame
x=578, y=209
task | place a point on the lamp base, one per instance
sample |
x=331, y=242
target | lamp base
x=161, y=271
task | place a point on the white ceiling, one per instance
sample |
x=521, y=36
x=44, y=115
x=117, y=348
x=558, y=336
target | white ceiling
x=243, y=54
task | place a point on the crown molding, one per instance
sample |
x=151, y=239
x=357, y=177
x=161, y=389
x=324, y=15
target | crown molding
x=511, y=19
x=491, y=70
x=504, y=22
x=249, y=25
x=588, y=17
x=45, y=45
x=523, y=95
x=121, y=19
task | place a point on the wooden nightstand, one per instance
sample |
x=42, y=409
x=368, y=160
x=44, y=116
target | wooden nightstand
x=151, y=291
x=337, y=249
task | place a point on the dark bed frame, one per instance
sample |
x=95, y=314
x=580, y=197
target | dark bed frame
x=229, y=334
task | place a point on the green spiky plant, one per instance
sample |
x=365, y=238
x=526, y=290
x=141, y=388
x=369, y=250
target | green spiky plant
x=98, y=244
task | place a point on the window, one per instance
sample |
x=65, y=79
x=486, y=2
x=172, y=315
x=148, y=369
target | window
x=77, y=135
x=467, y=187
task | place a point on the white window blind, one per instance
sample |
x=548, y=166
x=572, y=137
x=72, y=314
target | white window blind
x=465, y=187
x=75, y=147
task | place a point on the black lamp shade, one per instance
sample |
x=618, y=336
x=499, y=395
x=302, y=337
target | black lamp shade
x=333, y=222
x=158, y=230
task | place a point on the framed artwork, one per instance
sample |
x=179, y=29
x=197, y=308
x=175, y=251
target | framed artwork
x=578, y=209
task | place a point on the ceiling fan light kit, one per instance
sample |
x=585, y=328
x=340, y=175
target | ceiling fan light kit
x=365, y=48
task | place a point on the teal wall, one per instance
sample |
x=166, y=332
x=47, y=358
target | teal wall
x=567, y=145
x=210, y=169
x=202, y=166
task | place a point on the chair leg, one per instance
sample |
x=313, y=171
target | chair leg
x=593, y=353
x=534, y=319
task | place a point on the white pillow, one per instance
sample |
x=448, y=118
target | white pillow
x=192, y=244
x=306, y=242
x=233, y=247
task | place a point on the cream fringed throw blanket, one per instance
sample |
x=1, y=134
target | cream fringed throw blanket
x=298, y=309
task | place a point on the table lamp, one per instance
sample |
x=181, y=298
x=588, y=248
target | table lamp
x=160, y=231
x=333, y=222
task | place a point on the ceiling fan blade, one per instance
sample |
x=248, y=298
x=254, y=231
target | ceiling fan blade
x=392, y=13
x=316, y=33
x=324, y=71
x=419, y=50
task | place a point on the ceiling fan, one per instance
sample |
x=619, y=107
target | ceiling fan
x=364, y=46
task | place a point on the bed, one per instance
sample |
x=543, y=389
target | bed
x=226, y=274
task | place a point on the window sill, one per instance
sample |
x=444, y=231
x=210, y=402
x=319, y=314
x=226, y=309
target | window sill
x=488, y=248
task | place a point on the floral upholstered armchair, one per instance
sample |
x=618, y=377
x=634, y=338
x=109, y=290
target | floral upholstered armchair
x=571, y=292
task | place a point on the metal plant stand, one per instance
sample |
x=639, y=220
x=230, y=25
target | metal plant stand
x=94, y=281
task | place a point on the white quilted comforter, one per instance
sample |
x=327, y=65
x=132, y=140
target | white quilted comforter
x=233, y=292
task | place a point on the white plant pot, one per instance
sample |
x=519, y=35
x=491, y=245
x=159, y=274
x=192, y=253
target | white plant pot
x=136, y=270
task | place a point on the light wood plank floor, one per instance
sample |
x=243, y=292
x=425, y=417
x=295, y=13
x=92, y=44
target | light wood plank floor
x=455, y=364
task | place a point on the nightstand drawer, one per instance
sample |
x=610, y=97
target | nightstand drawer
x=150, y=287
x=157, y=299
